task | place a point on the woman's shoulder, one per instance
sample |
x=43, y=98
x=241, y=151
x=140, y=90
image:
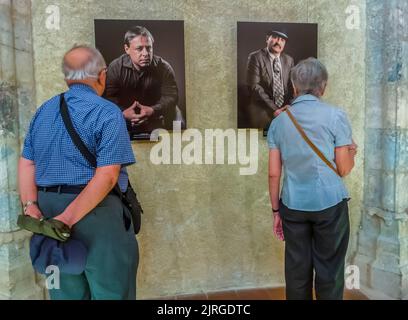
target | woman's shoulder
x=331, y=107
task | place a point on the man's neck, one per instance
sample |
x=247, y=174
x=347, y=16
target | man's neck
x=88, y=83
x=137, y=68
x=273, y=54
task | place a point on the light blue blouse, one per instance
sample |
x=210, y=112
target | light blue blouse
x=308, y=183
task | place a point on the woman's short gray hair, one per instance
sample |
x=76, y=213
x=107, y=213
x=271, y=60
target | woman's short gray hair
x=309, y=76
x=90, y=68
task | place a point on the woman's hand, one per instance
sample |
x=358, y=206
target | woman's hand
x=277, y=227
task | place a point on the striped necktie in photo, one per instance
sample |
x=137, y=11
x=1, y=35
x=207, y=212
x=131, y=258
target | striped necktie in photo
x=277, y=83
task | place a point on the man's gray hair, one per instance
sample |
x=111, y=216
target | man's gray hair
x=309, y=76
x=135, y=32
x=90, y=68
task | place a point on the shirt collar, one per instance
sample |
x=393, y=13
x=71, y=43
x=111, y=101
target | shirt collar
x=272, y=55
x=81, y=87
x=305, y=97
x=127, y=62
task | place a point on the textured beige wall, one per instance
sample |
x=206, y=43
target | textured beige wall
x=207, y=227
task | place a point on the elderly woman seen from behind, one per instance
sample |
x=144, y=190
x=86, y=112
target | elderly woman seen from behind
x=312, y=212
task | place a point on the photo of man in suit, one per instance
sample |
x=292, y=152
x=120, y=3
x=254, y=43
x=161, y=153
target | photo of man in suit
x=268, y=82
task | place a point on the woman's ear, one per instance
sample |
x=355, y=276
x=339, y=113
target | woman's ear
x=323, y=89
x=295, y=92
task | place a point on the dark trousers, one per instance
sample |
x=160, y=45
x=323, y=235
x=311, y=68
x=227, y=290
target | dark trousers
x=113, y=256
x=315, y=241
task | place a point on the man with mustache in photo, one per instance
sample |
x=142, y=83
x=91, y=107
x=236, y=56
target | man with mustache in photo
x=267, y=79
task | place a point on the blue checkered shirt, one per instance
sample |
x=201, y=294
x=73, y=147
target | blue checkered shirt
x=99, y=123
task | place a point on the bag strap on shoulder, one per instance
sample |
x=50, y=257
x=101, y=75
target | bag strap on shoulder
x=76, y=139
x=310, y=143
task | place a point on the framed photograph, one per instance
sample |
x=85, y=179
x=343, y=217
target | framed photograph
x=146, y=72
x=266, y=52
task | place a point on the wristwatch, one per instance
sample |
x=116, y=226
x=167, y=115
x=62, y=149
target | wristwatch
x=275, y=210
x=27, y=204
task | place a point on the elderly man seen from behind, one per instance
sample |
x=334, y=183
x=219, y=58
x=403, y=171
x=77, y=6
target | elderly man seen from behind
x=312, y=214
x=56, y=181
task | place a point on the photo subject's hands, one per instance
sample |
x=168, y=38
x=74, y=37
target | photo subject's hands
x=279, y=111
x=130, y=112
x=277, y=227
x=145, y=113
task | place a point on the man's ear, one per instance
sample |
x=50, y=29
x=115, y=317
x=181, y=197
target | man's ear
x=126, y=48
x=101, y=82
x=102, y=77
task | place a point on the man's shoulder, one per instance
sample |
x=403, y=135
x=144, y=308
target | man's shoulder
x=257, y=53
x=287, y=57
x=50, y=105
x=160, y=62
x=119, y=60
x=106, y=106
x=95, y=104
x=162, y=66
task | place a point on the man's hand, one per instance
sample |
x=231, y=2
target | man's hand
x=97, y=189
x=279, y=111
x=277, y=226
x=65, y=219
x=145, y=113
x=130, y=112
x=138, y=118
x=34, y=211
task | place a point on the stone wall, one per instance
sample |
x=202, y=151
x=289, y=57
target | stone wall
x=383, y=240
x=17, y=102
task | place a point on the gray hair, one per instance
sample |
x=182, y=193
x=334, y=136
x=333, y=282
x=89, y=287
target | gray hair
x=135, y=32
x=90, y=68
x=309, y=76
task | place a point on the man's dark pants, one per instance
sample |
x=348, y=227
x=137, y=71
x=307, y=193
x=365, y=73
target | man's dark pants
x=315, y=241
x=113, y=256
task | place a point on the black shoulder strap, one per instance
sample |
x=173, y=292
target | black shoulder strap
x=76, y=139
